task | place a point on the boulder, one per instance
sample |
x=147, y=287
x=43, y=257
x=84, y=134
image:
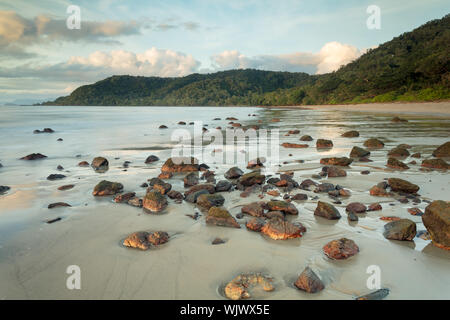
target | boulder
x=56, y=176
x=255, y=209
x=191, y=179
x=437, y=221
x=334, y=172
x=151, y=159
x=154, y=201
x=402, y=229
x=233, y=173
x=256, y=163
x=255, y=224
x=159, y=185
x=396, y=164
x=358, y=152
x=283, y=206
x=399, y=152
x=279, y=229
x=210, y=200
x=324, y=144
x=221, y=217
x=34, y=156
x=356, y=207
x=144, y=240
x=308, y=281
x=135, y=202
x=106, y=188
x=350, y=134
x=306, y=138
x=435, y=164
x=254, y=177
x=99, y=163
x=401, y=185
x=327, y=211
x=180, y=164
x=239, y=287
x=172, y=194
x=340, y=249
x=373, y=143
x=223, y=185
x=335, y=161
x=443, y=151
x=125, y=197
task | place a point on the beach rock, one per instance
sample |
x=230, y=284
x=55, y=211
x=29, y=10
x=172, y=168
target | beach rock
x=255, y=209
x=358, y=152
x=151, y=159
x=83, y=164
x=295, y=131
x=350, y=134
x=99, y=163
x=137, y=240
x=397, y=120
x=238, y=288
x=217, y=241
x=443, y=151
x=165, y=175
x=274, y=214
x=46, y=130
x=401, y=185
x=306, y=138
x=305, y=184
x=210, y=188
x=325, y=187
x=66, y=187
x=300, y=197
x=106, y=188
x=340, y=249
x=352, y=216
x=256, y=163
x=416, y=155
x=54, y=176
x=379, y=192
x=172, y=194
x=280, y=229
x=193, y=196
x=135, y=202
x=159, y=185
x=154, y=201
x=223, y=185
x=399, y=152
x=376, y=295
x=294, y=145
x=356, y=207
x=308, y=281
x=415, y=212
x=255, y=224
x=34, y=156
x=283, y=206
x=58, y=205
x=435, y=164
x=233, y=173
x=334, y=172
x=437, y=221
x=180, y=164
x=125, y=197
x=373, y=143
x=162, y=126
x=252, y=178
x=157, y=238
x=221, y=217
x=324, y=144
x=374, y=207
x=396, y=164
x=59, y=167
x=191, y=179
x=273, y=193
x=327, y=211
x=402, y=229
x=210, y=200
x=342, y=161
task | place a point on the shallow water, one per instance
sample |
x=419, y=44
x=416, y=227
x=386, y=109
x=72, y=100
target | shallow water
x=34, y=255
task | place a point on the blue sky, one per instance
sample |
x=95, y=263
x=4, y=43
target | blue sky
x=40, y=58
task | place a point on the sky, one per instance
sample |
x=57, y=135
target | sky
x=41, y=58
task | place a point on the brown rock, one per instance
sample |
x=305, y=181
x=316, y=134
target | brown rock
x=249, y=179
x=356, y=207
x=233, y=173
x=443, y=151
x=238, y=288
x=358, y=152
x=137, y=240
x=205, y=186
x=403, y=229
x=343, y=161
x=124, y=197
x=294, y=145
x=435, y=164
x=106, y=188
x=340, y=249
x=399, y=152
x=334, y=172
x=157, y=238
x=279, y=229
x=415, y=211
x=210, y=200
x=255, y=224
x=256, y=163
x=135, y=202
x=221, y=217
x=437, y=221
x=308, y=281
x=327, y=211
x=255, y=209
x=66, y=187
x=151, y=159
x=283, y=206
x=373, y=143
x=99, y=163
x=34, y=156
x=378, y=192
x=180, y=164
x=324, y=144
x=83, y=164
x=191, y=179
x=396, y=164
x=402, y=185
x=154, y=201
x=350, y=134
x=375, y=207
x=165, y=175
x=172, y=194
x=306, y=138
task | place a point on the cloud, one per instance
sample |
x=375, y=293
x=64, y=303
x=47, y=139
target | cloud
x=330, y=57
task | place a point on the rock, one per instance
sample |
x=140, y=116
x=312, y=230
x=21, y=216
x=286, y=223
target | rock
x=46, y=130
x=221, y=217
x=172, y=194
x=416, y=155
x=135, y=202
x=159, y=185
x=376, y=295
x=66, y=187
x=252, y=178
x=238, y=288
x=144, y=185
x=256, y=163
x=325, y=187
x=273, y=193
x=83, y=164
x=233, y=173
x=437, y=221
x=223, y=185
x=391, y=218
x=401, y=185
x=210, y=200
x=283, y=206
x=125, y=197
x=255, y=209
x=217, y=241
x=415, y=212
x=59, y=167
x=399, y=152
x=397, y=119
x=374, y=207
x=403, y=229
x=279, y=229
x=435, y=164
x=50, y=221
x=396, y=164
x=151, y=158
x=379, y=192
x=365, y=172
x=205, y=186
x=300, y=197
x=193, y=196
x=162, y=126
x=99, y=163
x=356, y=207
x=294, y=145
x=306, y=138
x=58, y=205
x=274, y=214
x=340, y=249
x=352, y=216
x=181, y=123
x=350, y=134
x=334, y=172
x=308, y=281
x=59, y=139
x=343, y=161
x=106, y=188
x=54, y=176
x=138, y=240
x=358, y=152
x=191, y=179
x=180, y=164
x=157, y=238
x=255, y=224
x=165, y=175
x=373, y=143
x=324, y=144
x=34, y=156
x=154, y=201
x=443, y=151
x=305, y=184
x=327, y=211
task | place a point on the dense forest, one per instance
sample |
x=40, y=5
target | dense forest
x=411, y=67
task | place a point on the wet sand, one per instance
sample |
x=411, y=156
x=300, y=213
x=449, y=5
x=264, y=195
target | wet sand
x=34, y=255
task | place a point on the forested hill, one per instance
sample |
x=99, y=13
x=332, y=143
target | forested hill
x=411, y=67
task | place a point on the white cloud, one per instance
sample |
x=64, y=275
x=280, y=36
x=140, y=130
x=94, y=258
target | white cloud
x=330, y=57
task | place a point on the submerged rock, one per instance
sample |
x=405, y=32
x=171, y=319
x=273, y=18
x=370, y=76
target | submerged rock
x=154, y=201
x=373, y=143
x=55, y=176
x=437, y=221
x=221, y=217
x=401, y=185
x=327, y=211
x=342, y=161
x=239, y=287
x=443, y=151
x=279, y=229
x=403, y=229
x=151, y=159
x=350, y=134
x=34, y=156
x=191, y=179
x=308, y=281
x=4, y=189
x=356, y=207
x=358, y=152
x=340, y=249
x=58, y=205
x=180, y=164
x=105, y=188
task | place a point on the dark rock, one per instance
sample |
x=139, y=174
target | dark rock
x=327, y=211
x=437, y=221
x=373, y=143
x=255, y=209
x=324, y=144
x=151, y=158
x=358, y=152
x=210, y=200
x=356, y=207
x=34, y=156
x=365, y=172
x=340, y=249
x=172, y=194
x=399, y=152
x=162, y=126
x=336, y=172
x=255, y=224
x=325, y=187
x=233, y=173
x=443, y=151
x=83, y=164
x=125, y=197
x=401, y=185
x=396, y=164
x=306, y=138
x=249, y=179
x=350, y=134
x=416, y=155
x=435, y=164
x=376, y=295
x=180, y=164
x=375, y=207
x=50, y=221
x=308, y=281
x=54, y=176
x=99, y=163
x=256, y=163
x=342, y=161
x=60, y=167
x=105, y=188
x=193, y=196
x=351, y=216
x=294, y=145
x=300, y=197
x=58, y=204
x=403, y=229
x=159, y=185
x=205, y=186
x=144, y=185
x=397, y=119
x=223, y=185
x=217, y=241
x=154, y=201
x=283, y=206
x=136, y=202
x=305, y=184
x=191, y=179
x=221, y=217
